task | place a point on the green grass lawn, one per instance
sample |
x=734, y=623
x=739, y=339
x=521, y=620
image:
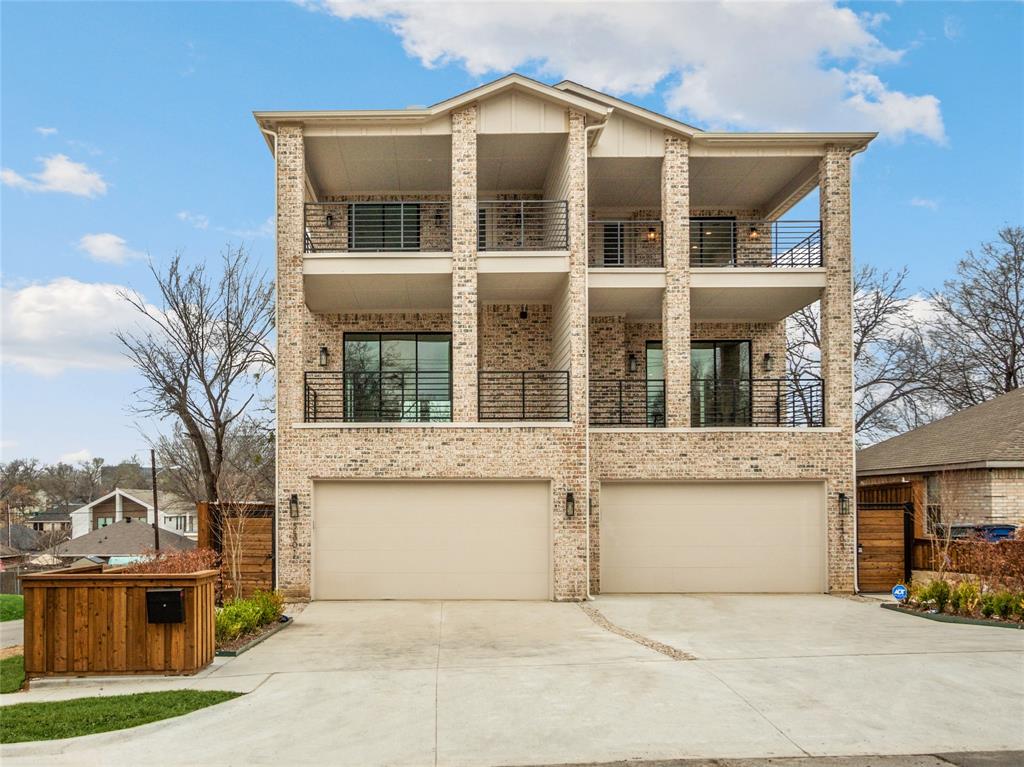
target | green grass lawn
x=12, y=673
x=85, y=716
x=12, y=607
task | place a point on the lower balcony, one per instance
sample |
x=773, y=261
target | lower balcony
x=523, y=395
x=757, y=402
x=425, y=396
x=714, y=403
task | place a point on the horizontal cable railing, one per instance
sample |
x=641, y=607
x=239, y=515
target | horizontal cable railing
x=421, y=225
x=720, y=242
x=622, y=402
x=757, y=402
x=633, y=243
x=408, y=395
x=523, y=395
x=523, y=225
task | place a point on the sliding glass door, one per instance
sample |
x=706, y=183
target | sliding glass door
x=720, y=383
x=398, y=377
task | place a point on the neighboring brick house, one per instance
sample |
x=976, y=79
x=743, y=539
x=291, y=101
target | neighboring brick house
x=531, y=344
x=967, y=467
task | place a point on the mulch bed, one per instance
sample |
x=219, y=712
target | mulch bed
x=248, y=641
x=922, y=612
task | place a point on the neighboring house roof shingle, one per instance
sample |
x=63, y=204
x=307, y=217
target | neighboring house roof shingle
x=53, y=515
x=122, y=539
x=169, y=502
x=20, y=537
x=6, y=551
x=989, y=434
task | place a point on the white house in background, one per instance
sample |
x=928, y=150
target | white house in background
x=176, y=513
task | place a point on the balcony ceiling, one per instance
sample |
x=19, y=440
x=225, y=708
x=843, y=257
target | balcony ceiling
x=339, y=165
x=516, y=161
x=756, y=183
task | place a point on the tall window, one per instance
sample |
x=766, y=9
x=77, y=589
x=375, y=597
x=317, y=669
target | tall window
x=720, y=383
x=398, y=377
x=655, y=367
x=613, y=245
x=383, y=226
x=712, y=241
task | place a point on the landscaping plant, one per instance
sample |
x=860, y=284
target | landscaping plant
x=240, y=617
x=175, y=562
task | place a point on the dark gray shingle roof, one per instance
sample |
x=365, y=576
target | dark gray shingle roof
x=121, y=539
x=990, y=432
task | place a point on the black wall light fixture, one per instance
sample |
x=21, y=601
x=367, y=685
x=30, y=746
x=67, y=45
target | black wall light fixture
x=570, y=504
x=293, y=505
x=323, y=356
x=844, y=504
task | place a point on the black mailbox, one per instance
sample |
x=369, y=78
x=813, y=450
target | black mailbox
x=164, y=606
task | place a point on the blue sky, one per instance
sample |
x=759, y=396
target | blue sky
x=127, y=132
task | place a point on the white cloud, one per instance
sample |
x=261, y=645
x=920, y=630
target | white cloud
x=197, y=220
x=59, y=174
x=76, y=457
x=952, y=27
x=44, y=131
x=202, y=221
x=108, y=248
x=64, y=324
x=758, y=66
x=924, y=202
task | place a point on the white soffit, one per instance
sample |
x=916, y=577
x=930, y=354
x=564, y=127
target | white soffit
x=339, y=165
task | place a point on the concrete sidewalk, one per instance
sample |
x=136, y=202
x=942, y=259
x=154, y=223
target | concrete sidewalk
x=539, y=683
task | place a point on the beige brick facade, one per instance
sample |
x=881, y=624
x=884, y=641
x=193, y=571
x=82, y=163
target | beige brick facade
x=556, y=333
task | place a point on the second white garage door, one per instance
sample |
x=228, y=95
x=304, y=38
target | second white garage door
x=431, y=540
x=729, y=537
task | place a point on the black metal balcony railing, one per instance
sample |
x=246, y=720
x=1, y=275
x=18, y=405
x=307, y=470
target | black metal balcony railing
x=523, y=225
x=757, y=402
x=628, y=244
x=620, y=402
x=725, y=242
x=523, y=395
x=417, y=396
x=422, y=225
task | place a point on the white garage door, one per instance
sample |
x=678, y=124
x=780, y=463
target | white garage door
x=738, y=537
x=431, y=540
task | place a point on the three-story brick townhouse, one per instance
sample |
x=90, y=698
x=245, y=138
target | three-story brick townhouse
x=531, y=345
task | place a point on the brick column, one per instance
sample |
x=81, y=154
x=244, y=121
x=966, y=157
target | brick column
x=675, y=310
x=293, y=534
x=464, y=264
x=837, y=355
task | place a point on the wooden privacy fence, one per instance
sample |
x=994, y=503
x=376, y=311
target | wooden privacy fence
x=90, y=621
x=242, y=533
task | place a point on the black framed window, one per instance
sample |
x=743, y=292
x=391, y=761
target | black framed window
x=398, y=376
x=384, y=226
x=721, y=386
x=654, y=367
x=713, y=241
x=612, y=245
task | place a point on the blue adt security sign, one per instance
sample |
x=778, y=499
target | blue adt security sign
x=899, y=592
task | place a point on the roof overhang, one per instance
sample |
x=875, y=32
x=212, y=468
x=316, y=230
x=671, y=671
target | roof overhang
x=637, y=113
x=268, y=120
x=932, y=468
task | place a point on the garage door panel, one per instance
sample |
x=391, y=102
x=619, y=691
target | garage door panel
x=712, y=536
x=431, y=540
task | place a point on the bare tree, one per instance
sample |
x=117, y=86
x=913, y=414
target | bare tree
x=60, y=482
x=890, y=360
x=19, y=482
x=203, y=351
x=977, y=335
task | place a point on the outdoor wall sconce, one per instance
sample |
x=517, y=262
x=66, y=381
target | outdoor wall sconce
x=844, y=504
x=768, y=362
x=323, y=356
x=570, y=505
x=632, y=363
x=523, y=313
x=652, y=234
x=753, y=233
x=293, y=505
x=329, y=220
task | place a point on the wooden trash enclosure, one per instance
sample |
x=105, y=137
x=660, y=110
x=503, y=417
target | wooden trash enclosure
x=90, y=621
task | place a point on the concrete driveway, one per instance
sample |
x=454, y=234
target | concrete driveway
x=504, y=683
